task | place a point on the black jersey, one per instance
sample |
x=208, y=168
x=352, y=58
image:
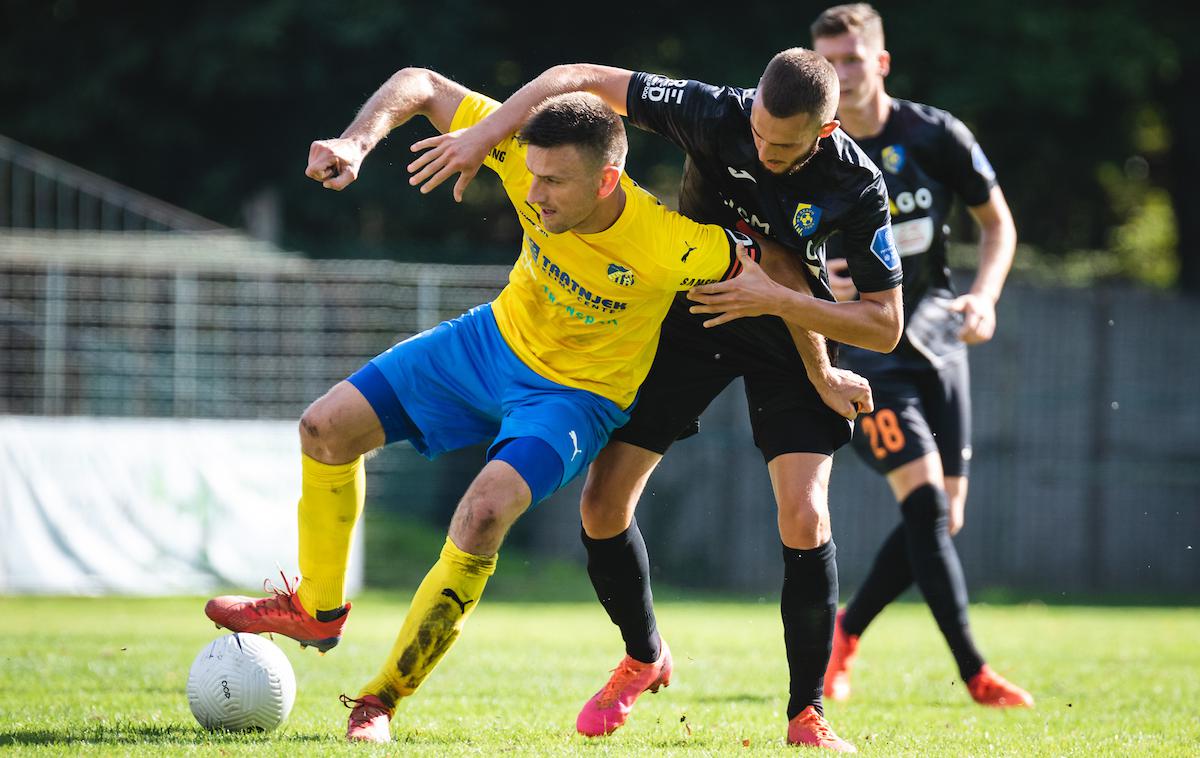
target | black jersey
x=839, y=192
x=928, y=157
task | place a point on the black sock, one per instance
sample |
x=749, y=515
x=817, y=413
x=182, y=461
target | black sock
x=938, y=573
x=890, y=576
x=620, y=572
x=336, y=613
x=808, y=604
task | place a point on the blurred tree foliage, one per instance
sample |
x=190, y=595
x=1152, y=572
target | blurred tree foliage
x=1084, y=110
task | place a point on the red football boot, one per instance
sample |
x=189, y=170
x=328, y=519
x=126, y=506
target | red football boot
x=281, y=613
x=370, y=719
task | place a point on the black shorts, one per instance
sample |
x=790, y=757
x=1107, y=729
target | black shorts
x=918, y=410
x=694, y=364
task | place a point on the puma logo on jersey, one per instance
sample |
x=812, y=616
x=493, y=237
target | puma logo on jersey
x=462, y=604
x=739, y=174
x=574, y=444
x=685, y=255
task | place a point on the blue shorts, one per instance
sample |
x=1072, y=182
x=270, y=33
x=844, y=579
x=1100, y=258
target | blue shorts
x=460, y=383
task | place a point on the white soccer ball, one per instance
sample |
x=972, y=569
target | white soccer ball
x=241, y=682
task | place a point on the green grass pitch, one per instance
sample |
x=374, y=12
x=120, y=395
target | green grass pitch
x=107, y=676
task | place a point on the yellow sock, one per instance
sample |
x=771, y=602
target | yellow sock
x=445, y=598
x=331, y=500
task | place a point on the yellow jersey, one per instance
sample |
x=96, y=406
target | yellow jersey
x=584, y=310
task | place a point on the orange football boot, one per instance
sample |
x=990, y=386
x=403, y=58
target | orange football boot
x=837, y=673
x=989, y=688
x=810, y=728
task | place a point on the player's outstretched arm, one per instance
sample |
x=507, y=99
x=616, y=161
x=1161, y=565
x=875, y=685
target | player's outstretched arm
x=875, y=321
x=463, y=151
x=409, y=92
x=997, y=245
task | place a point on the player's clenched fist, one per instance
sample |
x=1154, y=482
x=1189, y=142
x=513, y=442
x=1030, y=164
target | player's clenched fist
x=334, y=162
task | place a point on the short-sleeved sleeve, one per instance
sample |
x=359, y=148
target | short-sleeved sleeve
x=682, y=110
x=507, y=158
x=706, y=252
x=968, y=172
x=867, y=242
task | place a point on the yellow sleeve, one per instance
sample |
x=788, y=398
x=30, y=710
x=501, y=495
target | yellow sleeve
x=507, y=159
x=708, y=252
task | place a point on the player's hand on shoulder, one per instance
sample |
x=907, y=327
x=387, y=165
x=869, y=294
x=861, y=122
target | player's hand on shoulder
x=845, y=392
x=460, y=152
x=979, y=317
x=750, y=293
x=840, y=282
x=334, y=162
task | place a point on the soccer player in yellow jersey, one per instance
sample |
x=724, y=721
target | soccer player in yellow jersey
x=546, y=371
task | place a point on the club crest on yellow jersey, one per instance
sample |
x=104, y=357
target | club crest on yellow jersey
x=806, y=218
x=620, y=275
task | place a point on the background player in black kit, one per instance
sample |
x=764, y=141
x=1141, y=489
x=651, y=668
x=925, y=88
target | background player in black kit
x=772, y=162
x=919, y=434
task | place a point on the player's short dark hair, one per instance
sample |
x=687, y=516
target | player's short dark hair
x=859, y=18
x=799, y=81
x=581, y=119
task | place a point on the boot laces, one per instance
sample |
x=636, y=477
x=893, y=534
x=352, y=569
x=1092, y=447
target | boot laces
x=625, y=671
x=363, y=711
x=280, y=600
x=820, y=727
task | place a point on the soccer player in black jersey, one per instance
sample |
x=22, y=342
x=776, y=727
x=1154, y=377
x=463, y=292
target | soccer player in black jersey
x=919, y=433
x=772, y=161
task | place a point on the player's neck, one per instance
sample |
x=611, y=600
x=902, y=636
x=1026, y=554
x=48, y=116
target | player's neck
x=868, y=120
x=605, y=215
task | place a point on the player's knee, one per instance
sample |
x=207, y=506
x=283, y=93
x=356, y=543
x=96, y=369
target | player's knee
x=603, y=516
x=926, y=507
x=320, y=438
x=804, y=524
x=483, y=520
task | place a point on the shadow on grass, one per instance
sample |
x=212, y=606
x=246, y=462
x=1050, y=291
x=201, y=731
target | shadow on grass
x=736, y=697
x=146, y=734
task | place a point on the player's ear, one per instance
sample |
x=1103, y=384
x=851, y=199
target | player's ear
x=828, y=127
x=885, y=63
x=610, y=177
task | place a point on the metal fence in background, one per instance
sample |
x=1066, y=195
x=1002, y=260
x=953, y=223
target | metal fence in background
x=201, y=326
x=1086, y=475
x=39, y=191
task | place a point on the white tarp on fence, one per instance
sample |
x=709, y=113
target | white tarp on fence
x=147, y=506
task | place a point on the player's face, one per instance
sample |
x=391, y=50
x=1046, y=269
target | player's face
x=565, y=188
x=783, y=144
x=861, y=67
